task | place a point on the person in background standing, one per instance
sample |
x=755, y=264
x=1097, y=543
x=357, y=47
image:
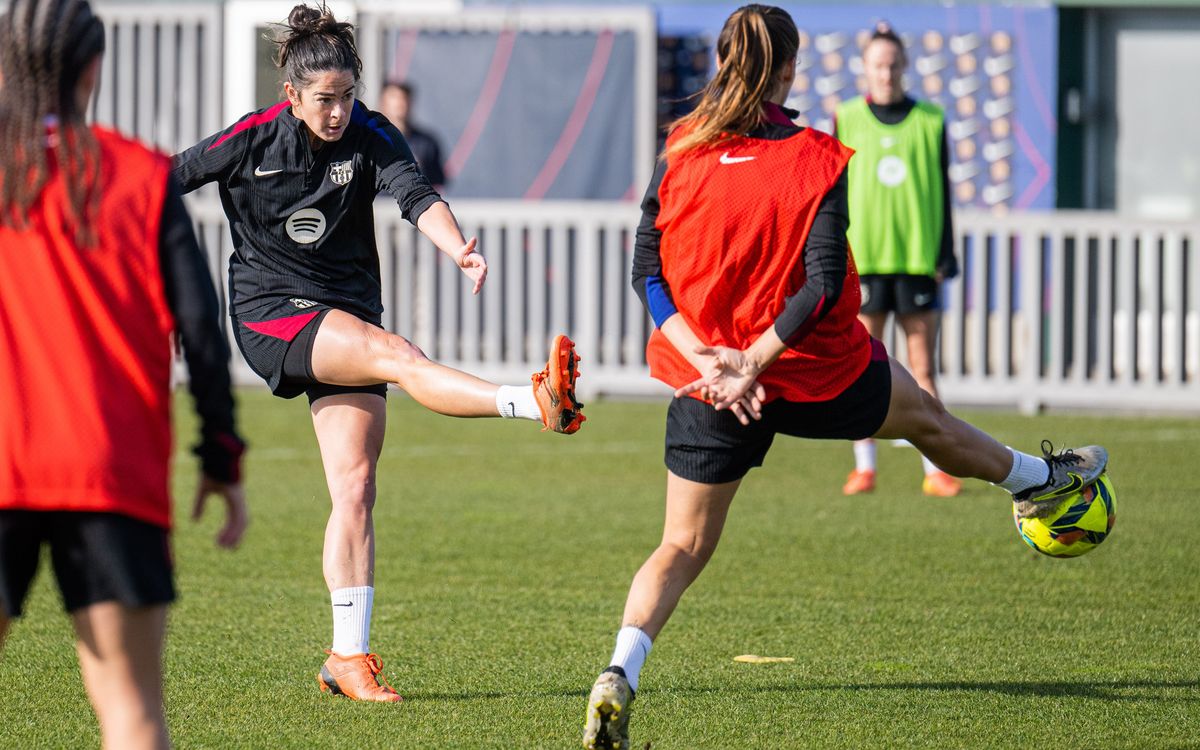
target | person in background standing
x=395, y=103
x=900, y=225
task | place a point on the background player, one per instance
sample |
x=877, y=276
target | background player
x=900, y=225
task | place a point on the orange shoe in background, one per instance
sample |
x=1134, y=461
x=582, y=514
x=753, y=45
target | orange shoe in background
x=358, y=677
x=941, y=484
x=554, y=389
x=859, y=482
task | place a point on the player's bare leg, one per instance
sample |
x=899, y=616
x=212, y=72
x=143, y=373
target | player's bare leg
x=920, y=334
x=862, y=479
x=120, y=657
x=952, y=444
x=350, y=429
x=695, y=517
x=348, y=351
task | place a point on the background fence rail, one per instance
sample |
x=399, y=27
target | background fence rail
x=1076, y=310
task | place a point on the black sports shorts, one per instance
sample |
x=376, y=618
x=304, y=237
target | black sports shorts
x=277, y=342
x=713, y=447
x=899, y=293
x=97, y=557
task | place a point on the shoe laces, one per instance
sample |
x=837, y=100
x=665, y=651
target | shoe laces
x=1065, y=457
x=375, y=664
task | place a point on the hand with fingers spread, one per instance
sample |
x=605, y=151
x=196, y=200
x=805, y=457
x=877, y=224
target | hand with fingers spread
x=473, y=264
x=236, y=516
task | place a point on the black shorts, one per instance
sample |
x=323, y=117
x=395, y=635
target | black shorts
x=277, y=342
x=97, y=557
x=899, y=293
x=713, y=447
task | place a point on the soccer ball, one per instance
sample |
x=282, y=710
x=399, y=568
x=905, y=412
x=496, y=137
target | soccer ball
x=1077, y=526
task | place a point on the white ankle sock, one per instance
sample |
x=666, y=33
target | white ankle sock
x=633, y=646
x=929, y=467
x=517, y=402
x=352, y=620
x=864, y=455
x=1027, y=471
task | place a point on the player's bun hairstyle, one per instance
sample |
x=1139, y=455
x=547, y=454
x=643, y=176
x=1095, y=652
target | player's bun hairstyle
x=45, y=45
x=754, y=46
x=883, y=31
x=312, y=41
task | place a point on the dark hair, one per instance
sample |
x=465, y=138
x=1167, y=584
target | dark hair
x=404, y=86
x=883, y=31
x=313, y=41
x=45, y=45
x=755, y=44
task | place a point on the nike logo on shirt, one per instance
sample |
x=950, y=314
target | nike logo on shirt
x=727, y=159
x=260, y=172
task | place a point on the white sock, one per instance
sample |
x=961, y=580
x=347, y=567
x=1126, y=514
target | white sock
x=864, y=455
x=633, y=646
x=929, y=467
x=517, y=402
x=1027, y=471
x=352, y=620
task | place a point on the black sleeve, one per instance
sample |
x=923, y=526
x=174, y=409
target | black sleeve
x=213, y=159
x=396, y=170
x=825, y=254
x=648, y=280
x=947, y=262
x=193, y=304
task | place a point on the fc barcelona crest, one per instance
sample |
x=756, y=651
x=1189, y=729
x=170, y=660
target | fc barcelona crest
x=341, y=172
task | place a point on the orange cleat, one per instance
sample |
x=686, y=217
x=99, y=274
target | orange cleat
x=941, y=484
x=554, y=389
x=358, y=677
x=859, y=482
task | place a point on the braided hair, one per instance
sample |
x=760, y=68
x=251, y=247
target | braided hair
x=44, y=47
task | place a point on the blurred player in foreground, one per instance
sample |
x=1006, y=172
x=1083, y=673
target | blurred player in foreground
x=98, y=268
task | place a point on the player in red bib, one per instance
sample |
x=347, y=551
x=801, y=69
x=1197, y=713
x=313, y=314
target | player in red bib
x=100, y=274
x=742, y=260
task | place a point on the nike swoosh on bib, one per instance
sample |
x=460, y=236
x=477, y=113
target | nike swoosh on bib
x=260, y=172
x=727, y=159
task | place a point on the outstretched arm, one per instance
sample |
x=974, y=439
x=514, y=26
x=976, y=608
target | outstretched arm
x=439, y=225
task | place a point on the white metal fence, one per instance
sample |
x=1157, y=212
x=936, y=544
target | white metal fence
x=1068, y=309
x=1061, y=310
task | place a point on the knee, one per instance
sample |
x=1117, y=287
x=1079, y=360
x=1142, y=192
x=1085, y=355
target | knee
x=353, y=490
x=697, y=549
x=395, y=348
x=934, y=420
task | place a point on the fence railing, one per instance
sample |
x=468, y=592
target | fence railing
x=1077, y=310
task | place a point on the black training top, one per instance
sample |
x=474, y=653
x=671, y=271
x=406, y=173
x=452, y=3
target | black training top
x=301, y=220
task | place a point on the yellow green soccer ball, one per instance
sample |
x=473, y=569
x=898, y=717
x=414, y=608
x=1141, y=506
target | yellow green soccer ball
x=1077, y=526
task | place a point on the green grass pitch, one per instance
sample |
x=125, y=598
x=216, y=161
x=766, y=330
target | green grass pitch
x=504, y=556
